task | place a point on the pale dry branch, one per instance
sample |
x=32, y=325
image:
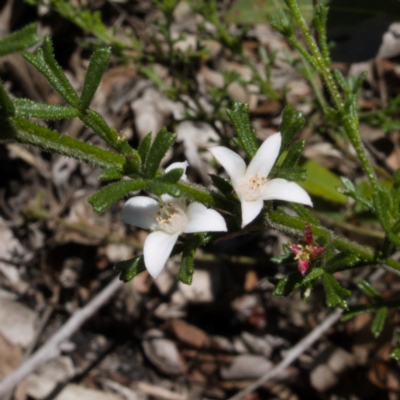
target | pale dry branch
x=51, y=349
x=292, y=354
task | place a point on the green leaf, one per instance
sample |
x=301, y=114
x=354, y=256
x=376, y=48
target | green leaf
x=29, y=133
x=396, y=354
x=369, y=291
x=111, y=174
x=342, y=260
x=19, y=40
x=56, y=75
x=172, y=176
x=7, y=108
x=293, y=154
x=292, y=174
x=167, y=183
x=108, y=195
x=336, y=295
x=357, y=310
x=304, y=213
x=144, y=147
x=295, y=281
x=161, y=144
x=196, y=192
x=341, y=80
x=186, y=270
x=32, y=109
x=321, y=182
x=95, y=121
x=98, y=64
x=292, y=122
x=356, y=193
x=222, y=185
x=379, y=321
x=130, y=268
x=284, y=258
x=383, y=206
x=246, y=135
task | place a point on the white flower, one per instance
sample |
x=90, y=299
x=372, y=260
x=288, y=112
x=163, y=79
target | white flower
x=168, y=220
x=251, y=183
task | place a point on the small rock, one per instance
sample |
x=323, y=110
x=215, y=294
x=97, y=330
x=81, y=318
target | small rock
x=246, y=366
x=256, y=344
x=74, y=392
x=163, y=352
x=17, y=322
x=202, y=288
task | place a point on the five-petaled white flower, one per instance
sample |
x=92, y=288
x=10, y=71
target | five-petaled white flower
x=251, y=183
x=168, y=219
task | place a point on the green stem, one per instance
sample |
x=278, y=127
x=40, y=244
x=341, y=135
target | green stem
x=348, y=119
x=288, y=224
x=26, y=132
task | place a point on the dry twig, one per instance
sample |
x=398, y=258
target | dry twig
x=51, y=349
x=292, y=354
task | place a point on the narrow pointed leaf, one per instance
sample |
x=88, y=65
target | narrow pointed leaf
x=29, y=133
x=379, y=321
x=167, y=183
x=172, y=176
x=98, y=64
x=130, y=268
x=383, y=206
x=159, y=188
x=105, y=197
x=222, y=185
x=111, y=174
x=304, y=212
x=369, y=291
x=292, y=122
x=95, y=121
x=336, y=295
x=64, y=86
x=196, y=192
x=19, y=40
x=32, y=109
x=246, y=135
x=161, y=144
x=295, y=281
x=7, y=108
x=144, y=147
x=350, y=190
x=357, y=310
x=341, y=80
x=342, y=260
x=292, y=174
x=186, y=270
x=293, y=154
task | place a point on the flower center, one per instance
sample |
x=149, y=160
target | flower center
x=251, y=188
x=171, y=218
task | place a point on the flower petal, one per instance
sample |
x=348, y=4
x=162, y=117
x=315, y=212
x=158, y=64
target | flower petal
x=250, y=210
x=265, y=157
x=182, y=165
x=157, y=248
x=281, y=189
x=203, y=219
x=303, y=266
x=140, y=211
x=232, y=162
